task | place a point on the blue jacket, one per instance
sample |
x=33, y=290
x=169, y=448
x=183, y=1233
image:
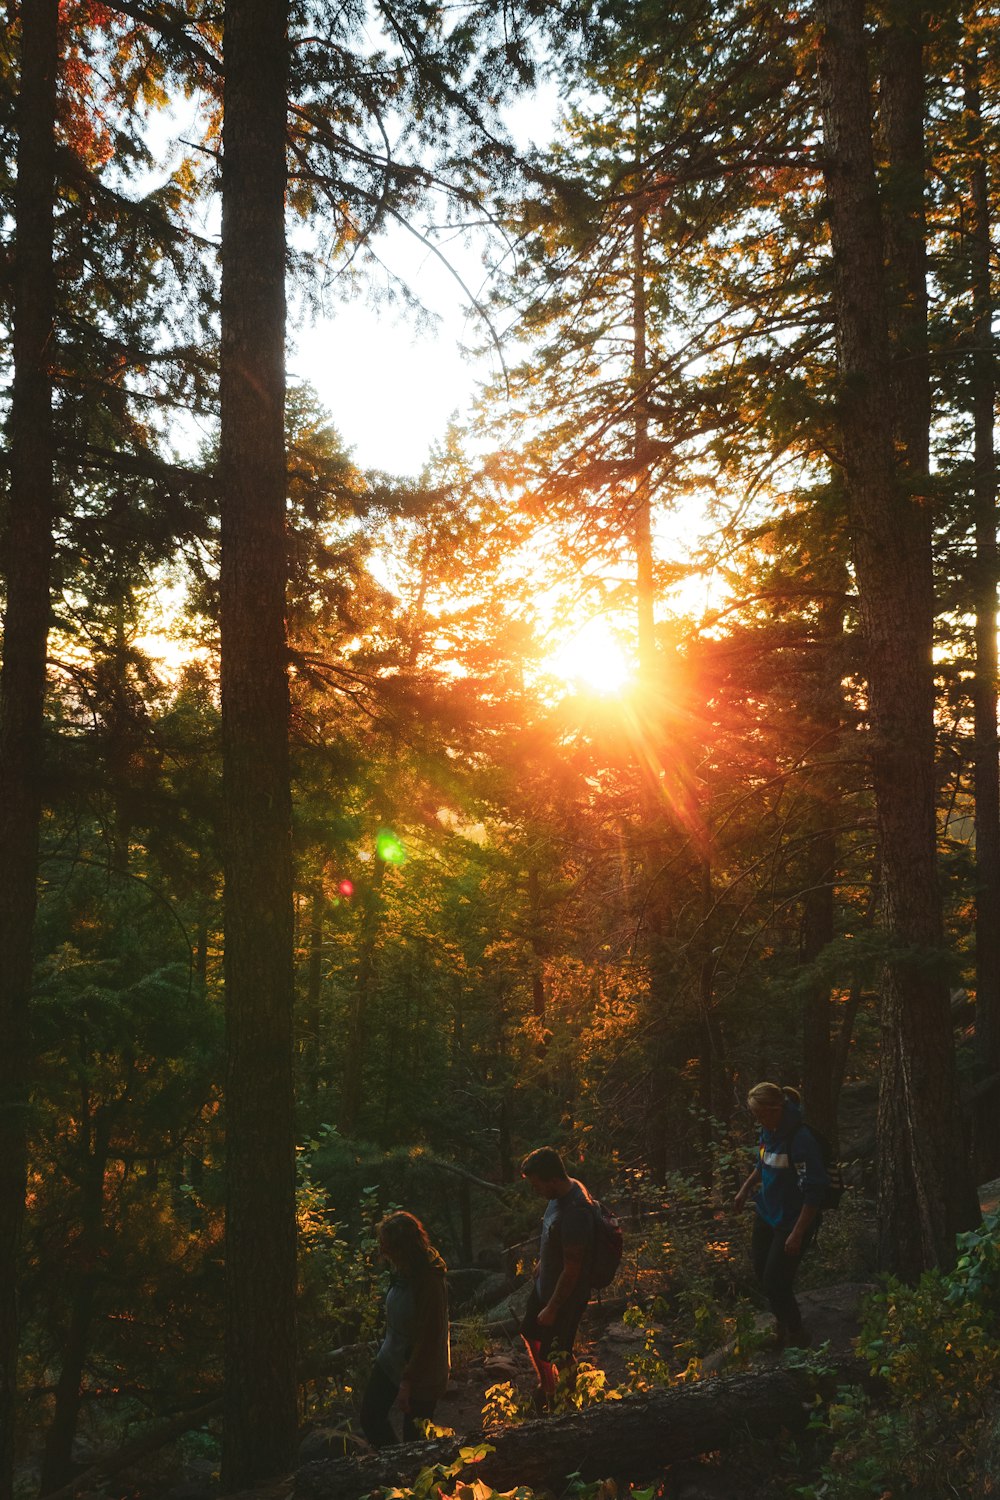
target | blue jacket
x=791, y=1169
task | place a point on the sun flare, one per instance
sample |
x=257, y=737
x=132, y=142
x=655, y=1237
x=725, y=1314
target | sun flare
x=592, y=658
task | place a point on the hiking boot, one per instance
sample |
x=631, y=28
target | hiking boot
x=539, y=1401
x=778, y=1339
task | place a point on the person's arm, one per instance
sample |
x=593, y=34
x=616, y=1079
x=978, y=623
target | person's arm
x=569, y=1279
x=793, y=1244
x=813, y=1179
x=752, y=1182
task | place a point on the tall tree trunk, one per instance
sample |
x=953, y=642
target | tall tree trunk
x=902, y=107
x=819, y=1085
x=536, y=937
x=648, y=726
x=260, y=1408
x=465, y=1208
x=817, y=933
x=121, y=733
x=642, y=525
x=902, y=110
x=925, y=1192
x=57, y=1458
x=365, y=989
x=986, y=1123
x=26, y=626
x=505, y=1139
x=709, y=1051
x=310, y=1032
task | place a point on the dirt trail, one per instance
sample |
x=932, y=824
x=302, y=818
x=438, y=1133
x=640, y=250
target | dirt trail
x=832, y=1315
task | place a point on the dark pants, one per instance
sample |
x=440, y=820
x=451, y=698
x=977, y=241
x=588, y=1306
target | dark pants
x=776, y=1270
x=547, y=1343
x=561, y=1336
x=377, y=1403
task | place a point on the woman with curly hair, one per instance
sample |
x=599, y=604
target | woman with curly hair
x=412, y=1365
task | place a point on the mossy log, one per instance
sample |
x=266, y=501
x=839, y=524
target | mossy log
x=635, y=1438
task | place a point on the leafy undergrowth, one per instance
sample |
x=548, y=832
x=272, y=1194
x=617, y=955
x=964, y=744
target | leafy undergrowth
x=937, y=1348
x=931, y=1432
x=442, y=1482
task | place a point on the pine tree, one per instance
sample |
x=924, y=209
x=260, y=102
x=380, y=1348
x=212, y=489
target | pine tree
x=984, y=504
x=925, y=1193
x=260, y=1391
x=27, y=554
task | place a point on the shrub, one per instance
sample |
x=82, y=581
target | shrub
x=937, y=1346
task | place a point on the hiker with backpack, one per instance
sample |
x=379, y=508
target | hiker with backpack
x=562, y=1283
x=790, y=1184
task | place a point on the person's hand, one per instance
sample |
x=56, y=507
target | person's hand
x=403, y=1396
x=793, y=1244
x=739, y=1201
x=546, y=1317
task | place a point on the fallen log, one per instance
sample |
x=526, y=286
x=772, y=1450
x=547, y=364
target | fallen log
x=635, y=1438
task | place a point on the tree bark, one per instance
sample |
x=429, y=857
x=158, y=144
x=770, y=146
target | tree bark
x=925, y=1192
x=260, y=1389
x=536, y=937
x=57, y=1458
x=311, y=1028
x=28, y=550
x=642, y=525
x=631, y=1439
x=986, y=755
x=817, y=933
x=364, y=992
x=820, y=1083
x=707, y=1024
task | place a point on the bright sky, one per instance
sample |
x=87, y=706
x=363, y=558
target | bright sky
x=392, y=379
x=390, y=383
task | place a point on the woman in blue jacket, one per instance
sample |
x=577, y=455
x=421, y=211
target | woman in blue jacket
x=788, y=1184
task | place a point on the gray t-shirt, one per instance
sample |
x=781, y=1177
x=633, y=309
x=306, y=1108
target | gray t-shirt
x=568, y=1222
x=400, y=1329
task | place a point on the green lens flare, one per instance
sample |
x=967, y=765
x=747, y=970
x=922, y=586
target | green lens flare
x=389, y=847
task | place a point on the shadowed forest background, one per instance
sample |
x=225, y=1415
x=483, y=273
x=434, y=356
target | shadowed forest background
x=361, y=831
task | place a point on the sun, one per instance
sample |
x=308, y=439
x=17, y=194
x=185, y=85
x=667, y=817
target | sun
x=593, y=658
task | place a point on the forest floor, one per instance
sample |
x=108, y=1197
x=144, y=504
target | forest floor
x=608, y=1343
x=490, y=1353
x=831, y=1313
